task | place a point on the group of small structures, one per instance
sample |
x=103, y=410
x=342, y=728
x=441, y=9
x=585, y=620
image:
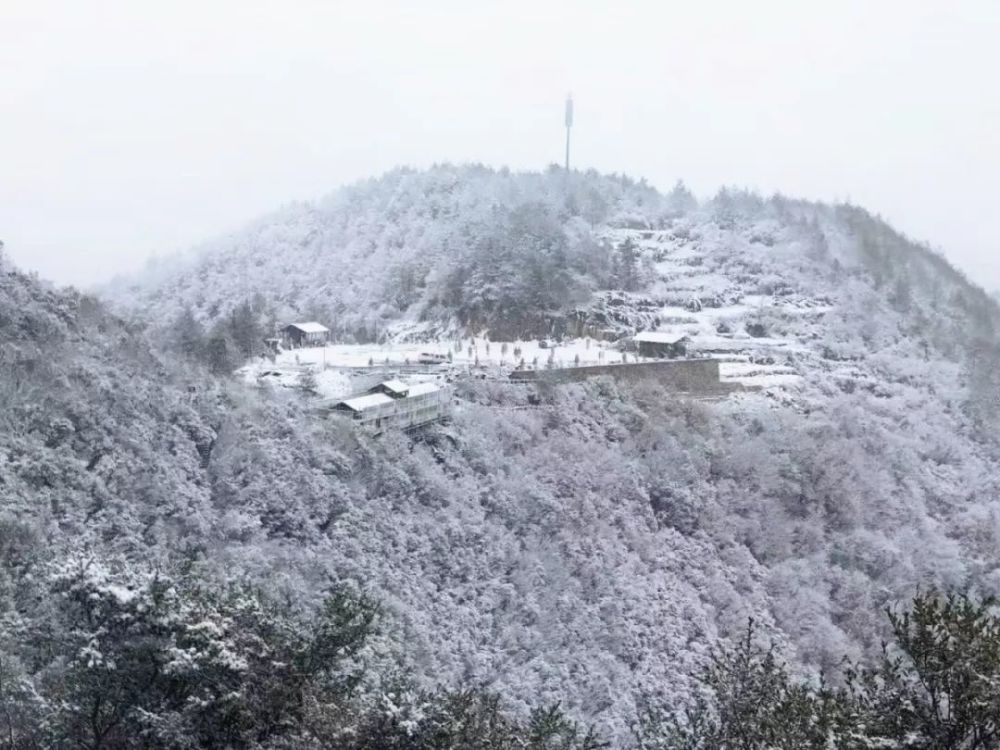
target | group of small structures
x=660, y=356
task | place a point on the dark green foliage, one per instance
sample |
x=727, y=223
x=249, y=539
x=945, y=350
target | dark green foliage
x=515, y=270
x=245, y=330
x=625, y=265
x=108, y=660
x=230, y=341
x=935, y=687
x=158, y=662
x=755, y=706
x=220, y=353
x=307, y=382
x=186, y=336
x=470, y=720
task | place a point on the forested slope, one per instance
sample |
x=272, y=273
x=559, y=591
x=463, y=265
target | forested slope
x=587, y=544
x=520, y=253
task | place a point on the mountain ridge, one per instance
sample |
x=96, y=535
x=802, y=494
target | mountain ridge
x=585, y=543
x=414, y=245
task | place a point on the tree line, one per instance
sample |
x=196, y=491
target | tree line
x=107, y=658
x=224, y=345
x=935, y=686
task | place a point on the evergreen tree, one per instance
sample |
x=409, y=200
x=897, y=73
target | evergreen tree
x=468, y=720
x=307, y=382
x=938, y=686
x=153, y=661
x=626, y=265
x=680, y=199
x=221, y=353
x=187, y=335
x=245, y=331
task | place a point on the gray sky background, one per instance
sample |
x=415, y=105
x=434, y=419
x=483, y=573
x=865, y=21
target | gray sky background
x=135, y=128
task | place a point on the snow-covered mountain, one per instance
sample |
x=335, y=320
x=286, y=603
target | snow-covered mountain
x=784, y=292
x=467, y=248
x=585, y=543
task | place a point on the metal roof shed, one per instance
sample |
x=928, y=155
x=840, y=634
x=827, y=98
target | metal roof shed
x=306, y=333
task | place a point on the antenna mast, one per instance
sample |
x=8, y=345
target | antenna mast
x=569, y=124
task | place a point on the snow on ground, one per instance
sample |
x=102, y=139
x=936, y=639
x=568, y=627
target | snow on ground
x=765, y=376
x=330, y=383
x=343, y=369
x=685, y=270
x=464, y=353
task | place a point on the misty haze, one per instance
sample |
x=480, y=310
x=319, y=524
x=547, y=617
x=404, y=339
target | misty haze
x=554, y=376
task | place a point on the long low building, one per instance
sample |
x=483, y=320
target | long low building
x=396, y=404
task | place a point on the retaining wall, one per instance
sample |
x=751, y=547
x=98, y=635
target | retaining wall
x=691, y=375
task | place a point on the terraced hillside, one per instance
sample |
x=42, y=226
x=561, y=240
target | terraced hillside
x=587, y=542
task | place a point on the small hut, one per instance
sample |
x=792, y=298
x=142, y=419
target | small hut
x=306, y=334
x=661, y=345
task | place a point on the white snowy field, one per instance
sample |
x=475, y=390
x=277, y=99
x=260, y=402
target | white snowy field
x=330, y=383
x=343, y=369
x=467, y=352
x=699, y=295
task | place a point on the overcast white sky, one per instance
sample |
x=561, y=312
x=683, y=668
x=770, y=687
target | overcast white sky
x=135, y=128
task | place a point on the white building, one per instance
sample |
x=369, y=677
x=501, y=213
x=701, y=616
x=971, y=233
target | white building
x=396, y=404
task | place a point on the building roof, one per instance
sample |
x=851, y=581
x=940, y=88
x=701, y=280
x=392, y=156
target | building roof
x=393, y=386
x=659, y=337
x=422, y=388
x=360, y=403
x=310, y=327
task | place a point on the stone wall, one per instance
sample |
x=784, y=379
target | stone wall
x=690, y=375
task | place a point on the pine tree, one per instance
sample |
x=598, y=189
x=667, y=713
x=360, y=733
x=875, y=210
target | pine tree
x=245, y=330
x=627, y=265
x=220, y=352
x=187, y=336
x=307, y=382
x=940, y=686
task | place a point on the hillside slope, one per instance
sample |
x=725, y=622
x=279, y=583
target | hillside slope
x=584, y=543
x=523, y=253
x=484, y=246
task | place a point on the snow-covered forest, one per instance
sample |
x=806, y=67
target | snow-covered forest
x=586, y=544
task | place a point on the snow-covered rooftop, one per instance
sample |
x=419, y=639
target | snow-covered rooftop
x=360, y=403
x=659, y=337
x=310, y=327
x=421, y=389
x=395, y=386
